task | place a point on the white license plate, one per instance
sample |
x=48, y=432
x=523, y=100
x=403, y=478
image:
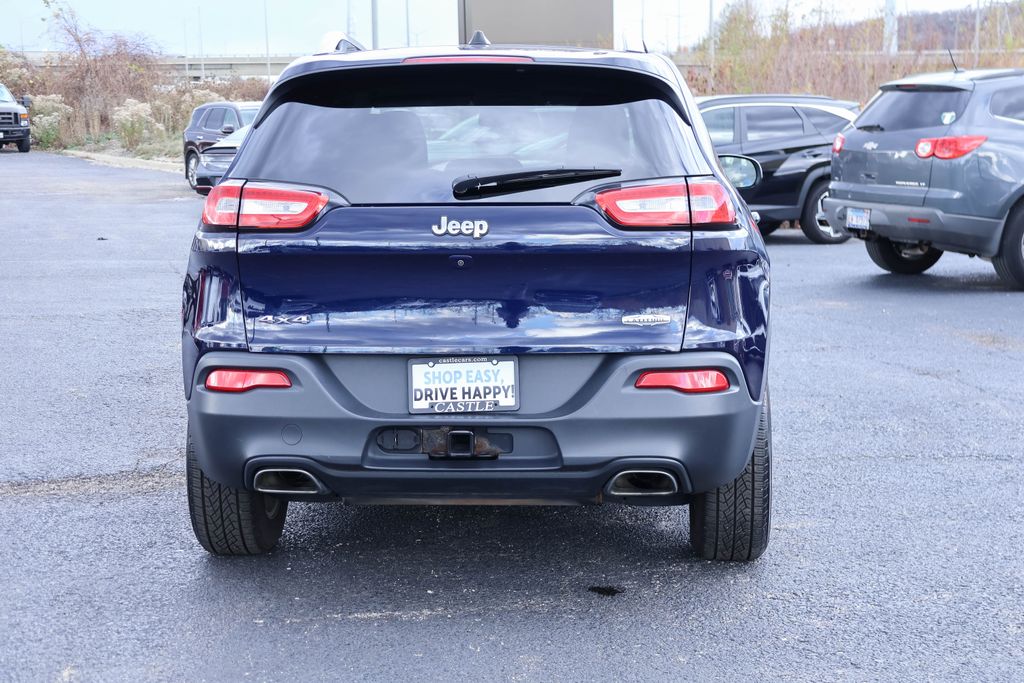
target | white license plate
x=486, y=384
x=1, y=135
x=858, y=219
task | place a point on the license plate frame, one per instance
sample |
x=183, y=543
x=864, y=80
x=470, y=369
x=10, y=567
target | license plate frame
x=858, y=219
x=453, y=400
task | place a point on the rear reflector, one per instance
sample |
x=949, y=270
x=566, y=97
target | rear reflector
x=948, y=148
x=685, y=381
x=467, y=59
x=837, y=144
x=261, y=205
x=235, y=381
x=697, y=201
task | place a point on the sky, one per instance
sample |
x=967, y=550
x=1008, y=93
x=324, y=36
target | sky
x=295, y=27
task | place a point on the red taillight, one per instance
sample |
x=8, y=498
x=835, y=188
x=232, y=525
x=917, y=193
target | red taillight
x=948, y=148
x=696, y=201
x=261, y=206
x=837, y=144
x=467, y=59
x=685, y=381
x=265, y=206
x=235, y=381
x=221, y=206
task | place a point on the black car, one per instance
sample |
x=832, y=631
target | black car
x=790, y=135
x=208, y=125
x=216, y=159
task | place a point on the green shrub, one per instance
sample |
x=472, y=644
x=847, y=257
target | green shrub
x=135, y=124
x=51, y=120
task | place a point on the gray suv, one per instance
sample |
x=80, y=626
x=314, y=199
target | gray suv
x=936, y=163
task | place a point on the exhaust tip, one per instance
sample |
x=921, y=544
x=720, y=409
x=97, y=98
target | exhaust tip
x=643, y=483
x=287, y=481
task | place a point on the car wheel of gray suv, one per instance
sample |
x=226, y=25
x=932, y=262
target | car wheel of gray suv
x=818, y=229
x=905, y=259
x=733, y=522
x=231, y=521
x=1009, y=262
x=191, y=164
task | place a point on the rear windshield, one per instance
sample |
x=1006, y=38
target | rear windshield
x=407, y=144
x=905, y=109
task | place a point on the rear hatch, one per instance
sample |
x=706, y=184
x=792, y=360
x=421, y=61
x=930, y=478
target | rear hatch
x=878, y=162
x=397, y=263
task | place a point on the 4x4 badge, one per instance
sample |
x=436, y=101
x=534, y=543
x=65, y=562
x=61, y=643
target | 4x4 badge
x=646, y=319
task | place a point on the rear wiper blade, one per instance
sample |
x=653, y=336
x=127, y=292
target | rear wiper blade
x=470, y=186
x=870, y=127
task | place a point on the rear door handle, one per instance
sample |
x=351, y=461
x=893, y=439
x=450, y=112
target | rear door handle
x=813, y=153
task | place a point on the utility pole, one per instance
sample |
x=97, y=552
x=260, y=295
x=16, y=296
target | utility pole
x=202, y=57
x=373, y=24
x=643, y=24
x=184, y=25
x=890, y=33
x=266, y=39
x=348, y=17
x=977, y=31
x=712, y=38
x=407, y=42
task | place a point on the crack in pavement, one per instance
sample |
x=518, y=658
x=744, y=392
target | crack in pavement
x=135, y=481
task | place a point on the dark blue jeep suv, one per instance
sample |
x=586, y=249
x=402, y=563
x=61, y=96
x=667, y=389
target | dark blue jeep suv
x=478, y=274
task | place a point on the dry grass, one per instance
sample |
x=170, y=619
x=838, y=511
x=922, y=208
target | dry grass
x=106, y=90
x=764, y=53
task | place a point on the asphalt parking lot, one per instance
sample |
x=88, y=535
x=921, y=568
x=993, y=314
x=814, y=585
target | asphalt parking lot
x=898, y=521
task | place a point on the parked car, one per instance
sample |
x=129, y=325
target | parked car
x=209, y=124
x=216, y=159
x=578, y=316
x=15, y=126
x=936, y=163
x=790, y=136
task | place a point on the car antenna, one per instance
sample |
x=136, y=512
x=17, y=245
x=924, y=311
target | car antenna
x=479, y=40
x=956, y=69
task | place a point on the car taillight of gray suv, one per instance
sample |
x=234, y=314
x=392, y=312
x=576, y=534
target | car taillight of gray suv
x=936, y=163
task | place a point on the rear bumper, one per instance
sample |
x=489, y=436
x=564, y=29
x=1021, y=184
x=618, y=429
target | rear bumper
x=559, y=453
x=946, y=231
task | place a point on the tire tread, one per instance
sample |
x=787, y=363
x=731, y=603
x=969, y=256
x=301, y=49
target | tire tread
x=732, y=523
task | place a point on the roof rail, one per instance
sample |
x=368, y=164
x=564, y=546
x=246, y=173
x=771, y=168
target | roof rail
x=338, y=42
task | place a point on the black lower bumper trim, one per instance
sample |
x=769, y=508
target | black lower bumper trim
x=457, y=484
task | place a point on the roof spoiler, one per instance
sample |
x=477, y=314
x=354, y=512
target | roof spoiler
x=339, y=42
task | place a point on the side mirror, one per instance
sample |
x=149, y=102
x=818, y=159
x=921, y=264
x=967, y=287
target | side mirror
x=743, y=172
x=228, y=129
x=25, y=101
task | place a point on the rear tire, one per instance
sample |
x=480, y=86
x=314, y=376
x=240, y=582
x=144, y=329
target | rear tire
x=229, y=521
x=24, y=145
x=733, y=522
x=191, y=165
x=819, y=231
x=904, y=260
x=1009, y=263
